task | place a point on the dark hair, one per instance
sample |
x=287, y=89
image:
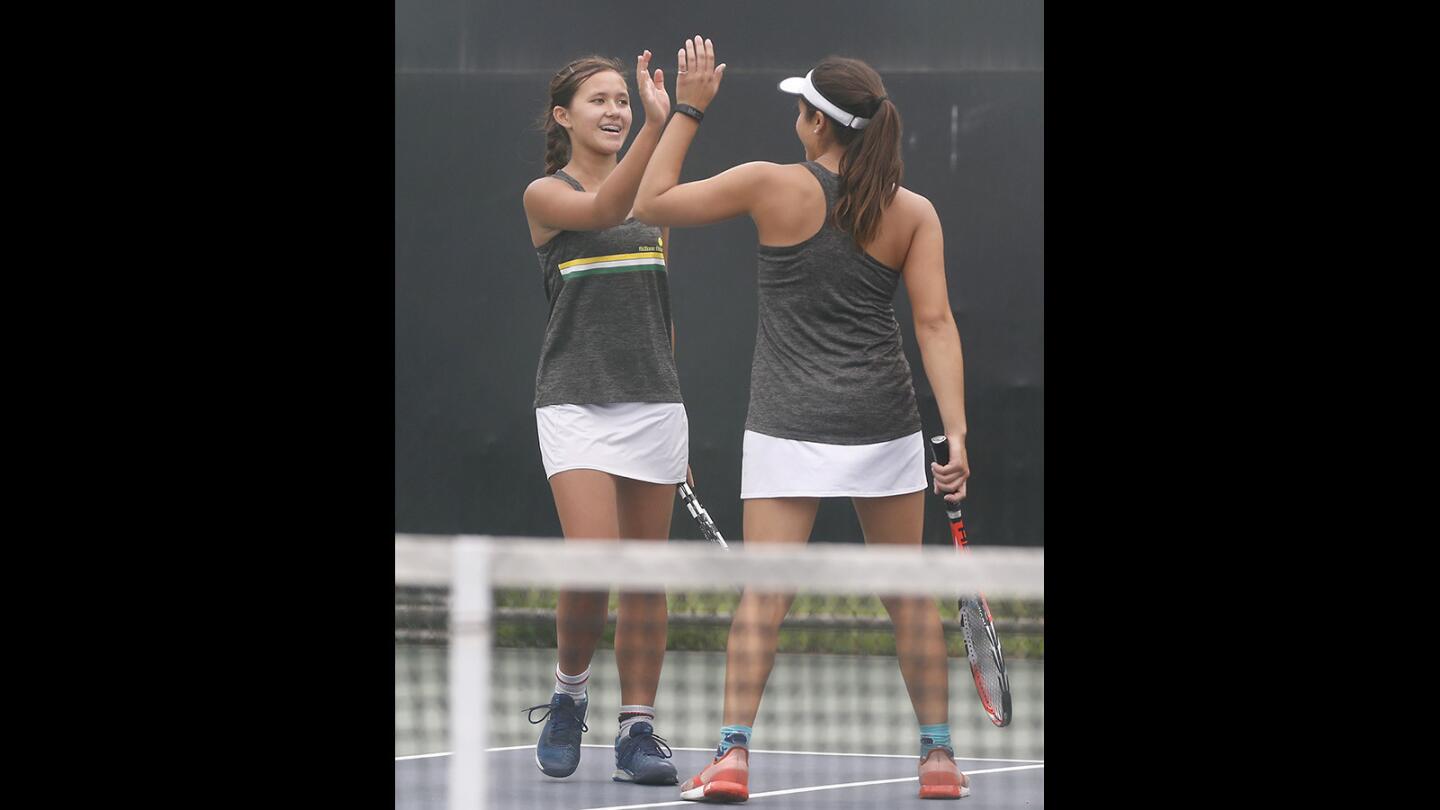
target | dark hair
x=871, y=167
x=562, y=90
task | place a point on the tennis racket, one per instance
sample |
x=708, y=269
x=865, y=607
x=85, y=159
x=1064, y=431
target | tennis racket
x=707, y=526
x=987, y=664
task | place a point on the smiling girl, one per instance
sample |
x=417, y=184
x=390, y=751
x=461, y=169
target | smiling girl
x=612, y=427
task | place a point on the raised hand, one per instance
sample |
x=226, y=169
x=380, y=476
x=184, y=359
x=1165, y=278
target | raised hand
x=652, y=90
x=699, y=78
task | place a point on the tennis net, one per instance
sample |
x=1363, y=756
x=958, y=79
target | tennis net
x=475, y=645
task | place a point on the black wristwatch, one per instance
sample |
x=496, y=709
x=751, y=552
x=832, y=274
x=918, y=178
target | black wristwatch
x=686, y=109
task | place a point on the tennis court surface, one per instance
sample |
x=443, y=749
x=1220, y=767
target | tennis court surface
x=475, y=646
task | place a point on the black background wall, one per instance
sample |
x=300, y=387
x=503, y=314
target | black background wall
x=470, y=79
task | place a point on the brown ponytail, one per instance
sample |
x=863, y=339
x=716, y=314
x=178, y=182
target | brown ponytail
x=562, y=91
x=871, y=168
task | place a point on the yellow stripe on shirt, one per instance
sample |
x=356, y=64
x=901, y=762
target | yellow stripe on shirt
x=656, y=255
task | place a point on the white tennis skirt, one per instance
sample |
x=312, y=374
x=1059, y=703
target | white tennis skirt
x=646, y=441
x=788, y=468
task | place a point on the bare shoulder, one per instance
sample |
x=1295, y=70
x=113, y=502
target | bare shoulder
x=544, y=187
x=754, y=182
x=761, y=166
x=915, y=209
x=546, y=182
x=759, y=170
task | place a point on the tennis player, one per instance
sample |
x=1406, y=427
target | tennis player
x=832, y=407
x=613, y=432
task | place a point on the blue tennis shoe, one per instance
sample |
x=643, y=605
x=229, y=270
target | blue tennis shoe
x=643, y=758
x=558, y=752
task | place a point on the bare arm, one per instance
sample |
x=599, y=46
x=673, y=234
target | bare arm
x=715, y=199
x=731, y=193
x=557, y=206
x=939, y=342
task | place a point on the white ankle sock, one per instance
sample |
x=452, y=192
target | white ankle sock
x=636, y=714
x=572, y=685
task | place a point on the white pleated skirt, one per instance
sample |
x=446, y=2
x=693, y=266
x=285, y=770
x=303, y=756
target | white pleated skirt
x=789, y=468
x=646, y=441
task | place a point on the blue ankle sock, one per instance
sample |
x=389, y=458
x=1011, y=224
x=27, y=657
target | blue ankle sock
x=731, y=736
x=936, y=736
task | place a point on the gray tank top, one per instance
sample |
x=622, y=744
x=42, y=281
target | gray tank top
x=828, y=365
x=608, y=337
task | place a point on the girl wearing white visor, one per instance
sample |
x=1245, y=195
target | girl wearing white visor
x=832, y=407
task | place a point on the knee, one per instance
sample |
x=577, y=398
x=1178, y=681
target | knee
x=765, y=609
x=908, y=606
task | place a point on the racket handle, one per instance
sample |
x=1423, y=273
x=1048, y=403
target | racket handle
x=702, y=517
x=940, y=451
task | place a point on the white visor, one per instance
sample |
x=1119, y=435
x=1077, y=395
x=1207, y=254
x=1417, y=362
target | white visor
x=801, y=86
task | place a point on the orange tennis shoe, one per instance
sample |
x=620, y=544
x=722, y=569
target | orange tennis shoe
x=940, y=777
x=727, y=779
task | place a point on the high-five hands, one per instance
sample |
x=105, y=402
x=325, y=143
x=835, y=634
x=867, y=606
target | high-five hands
x=699, y=77
x=652, y=90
